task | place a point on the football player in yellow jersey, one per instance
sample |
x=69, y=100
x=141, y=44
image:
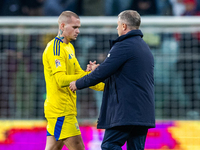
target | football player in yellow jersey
x=60, y=68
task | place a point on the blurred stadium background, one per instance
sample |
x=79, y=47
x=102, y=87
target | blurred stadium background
x=175, y=44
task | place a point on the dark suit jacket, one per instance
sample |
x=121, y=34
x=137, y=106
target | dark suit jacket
x=128, y=73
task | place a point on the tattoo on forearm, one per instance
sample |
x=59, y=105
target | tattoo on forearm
x=61, y=32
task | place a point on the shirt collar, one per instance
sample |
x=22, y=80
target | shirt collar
x=127, y=35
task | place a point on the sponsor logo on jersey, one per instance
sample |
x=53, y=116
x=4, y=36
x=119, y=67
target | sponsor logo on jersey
x=77, y=127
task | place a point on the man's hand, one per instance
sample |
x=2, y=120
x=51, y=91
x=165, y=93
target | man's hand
x=72, y=86
x=89, y=66
x=94, y=66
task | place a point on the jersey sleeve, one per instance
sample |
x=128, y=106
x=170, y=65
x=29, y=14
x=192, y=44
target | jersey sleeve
x=64, y=80
x=98, y=87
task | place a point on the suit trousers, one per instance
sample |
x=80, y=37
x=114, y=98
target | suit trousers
x=133, y=136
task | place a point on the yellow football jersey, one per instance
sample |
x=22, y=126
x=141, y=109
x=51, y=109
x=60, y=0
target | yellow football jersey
x=60, y=68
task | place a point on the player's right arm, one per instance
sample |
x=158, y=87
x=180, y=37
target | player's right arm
x=64, y=80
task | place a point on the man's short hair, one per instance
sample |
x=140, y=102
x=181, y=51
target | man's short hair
x=66, y=16
x=131, y=18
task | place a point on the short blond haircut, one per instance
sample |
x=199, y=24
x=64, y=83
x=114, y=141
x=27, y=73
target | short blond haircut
x=65, y=16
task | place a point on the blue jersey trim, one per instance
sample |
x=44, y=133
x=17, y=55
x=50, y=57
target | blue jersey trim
x=48, y=134
x=59, y=49
x=56, y=38
x=58, y=127
x=56, y=46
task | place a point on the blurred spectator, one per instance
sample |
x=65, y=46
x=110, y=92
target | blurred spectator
x=10, y=8
x=145, y=7
x=198, y=4
x=32, y=7
x=21, y=8
x=93, y=8
x=55, y=7
x=164, y=8
x=178, y=7
x=114, y=7
x=190, y=8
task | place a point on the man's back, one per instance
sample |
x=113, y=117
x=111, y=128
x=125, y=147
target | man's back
x=130, y=89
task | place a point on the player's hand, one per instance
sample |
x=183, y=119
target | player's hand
x=72, y=86
x=89, y=66
x=93, y=65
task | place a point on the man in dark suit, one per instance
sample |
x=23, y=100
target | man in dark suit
x=127, y=110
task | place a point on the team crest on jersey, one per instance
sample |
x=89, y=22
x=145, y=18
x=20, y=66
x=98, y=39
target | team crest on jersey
x=57, y=62
x=70, y=56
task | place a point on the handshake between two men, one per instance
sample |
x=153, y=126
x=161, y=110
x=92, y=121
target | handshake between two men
x=90, y=67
